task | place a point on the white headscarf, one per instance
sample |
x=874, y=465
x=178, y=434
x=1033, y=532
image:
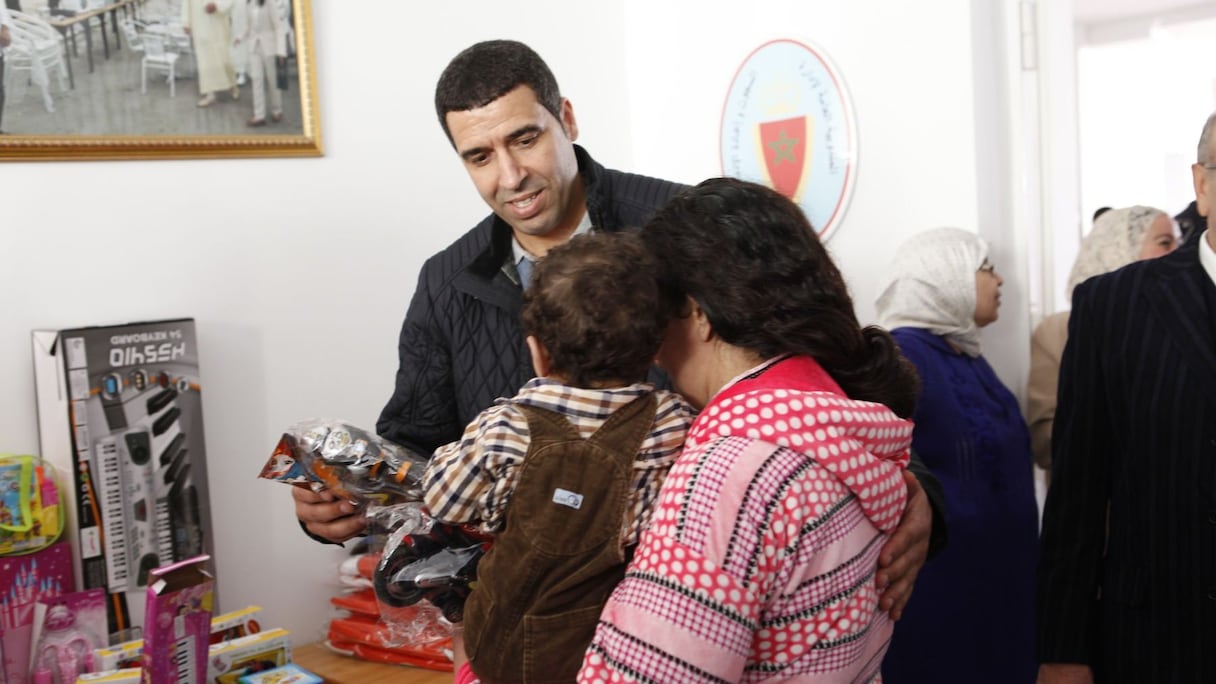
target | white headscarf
x=931, y=285
x=1113, y=243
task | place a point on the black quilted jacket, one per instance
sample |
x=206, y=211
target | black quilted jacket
x=461, y=345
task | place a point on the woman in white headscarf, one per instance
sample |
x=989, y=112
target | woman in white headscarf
x=1119, y=237
x=971, y=618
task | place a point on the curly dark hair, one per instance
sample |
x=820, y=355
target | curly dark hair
x=750, y=259
x=594, y=304
x=488, y=70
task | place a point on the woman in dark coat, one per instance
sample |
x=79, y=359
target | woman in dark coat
x=971, y=617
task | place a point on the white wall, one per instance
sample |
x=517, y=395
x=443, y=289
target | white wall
x=1060, y=181
x=928, y=84
x=1165, y=76
x=912, y=98
x=299, y=271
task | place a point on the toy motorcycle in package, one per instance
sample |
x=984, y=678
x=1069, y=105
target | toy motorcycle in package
x=426, y=559
x=423, y=561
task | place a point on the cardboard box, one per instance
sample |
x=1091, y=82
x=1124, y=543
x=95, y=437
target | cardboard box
x=288, y=674
x=180, y=600
x=66, y=630
x=233, y=625
x=227, y=662
x=120, y=411
x=124, y=676
x=127, y=654
x=250, y=658
x=25, y=580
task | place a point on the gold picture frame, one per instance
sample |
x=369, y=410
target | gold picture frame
x=298, y=134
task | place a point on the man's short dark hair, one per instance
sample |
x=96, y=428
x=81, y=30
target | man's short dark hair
x=488, y=70
x=594, y=305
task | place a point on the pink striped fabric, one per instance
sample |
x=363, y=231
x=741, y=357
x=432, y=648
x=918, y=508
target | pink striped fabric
x=759, y=563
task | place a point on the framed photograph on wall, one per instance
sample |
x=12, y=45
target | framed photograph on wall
x=171, y=79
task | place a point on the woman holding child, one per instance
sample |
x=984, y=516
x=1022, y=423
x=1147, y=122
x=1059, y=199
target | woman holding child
x=759, y=564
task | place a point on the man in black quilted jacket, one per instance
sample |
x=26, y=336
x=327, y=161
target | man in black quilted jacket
x=461, y=345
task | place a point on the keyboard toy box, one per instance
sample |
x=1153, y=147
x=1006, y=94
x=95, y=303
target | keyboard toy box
x=180, y=601
x=224, y=628
x=120, y=410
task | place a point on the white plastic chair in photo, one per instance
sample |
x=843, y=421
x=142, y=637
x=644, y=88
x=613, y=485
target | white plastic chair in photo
x=37, y=49
x=131, y=35
x=180, y=42
x=158, y=59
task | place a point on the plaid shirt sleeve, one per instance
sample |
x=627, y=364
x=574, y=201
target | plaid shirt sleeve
x=470, y=480
x=659, y=451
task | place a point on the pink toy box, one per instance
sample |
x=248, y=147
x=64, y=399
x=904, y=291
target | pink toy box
x=177, y=625
x=24, y=580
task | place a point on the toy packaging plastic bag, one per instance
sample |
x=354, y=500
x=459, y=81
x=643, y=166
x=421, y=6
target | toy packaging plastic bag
x=354, y=464
x=426, y=559
x=15, y=475
x=69, y=628
x=31, y=515
x=425, y=640
x=417, y=635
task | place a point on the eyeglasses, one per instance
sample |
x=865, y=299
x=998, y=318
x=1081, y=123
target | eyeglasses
x=987, y=267
x=1210, y=166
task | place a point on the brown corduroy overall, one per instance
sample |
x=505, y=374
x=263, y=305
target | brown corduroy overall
x=541, y=587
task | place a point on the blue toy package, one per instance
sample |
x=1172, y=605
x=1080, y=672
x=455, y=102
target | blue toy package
x=14, y=494
x=286, y=674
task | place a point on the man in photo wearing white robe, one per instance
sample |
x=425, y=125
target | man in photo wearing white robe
x=208, y=23
x=6, y=38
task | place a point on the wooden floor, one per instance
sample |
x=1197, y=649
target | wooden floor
x=108, y=101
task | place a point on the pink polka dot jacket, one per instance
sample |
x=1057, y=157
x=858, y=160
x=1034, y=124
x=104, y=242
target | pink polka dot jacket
x=759, y=564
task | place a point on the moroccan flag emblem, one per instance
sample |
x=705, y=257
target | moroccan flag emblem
x=788, y=123
x=785, y=154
